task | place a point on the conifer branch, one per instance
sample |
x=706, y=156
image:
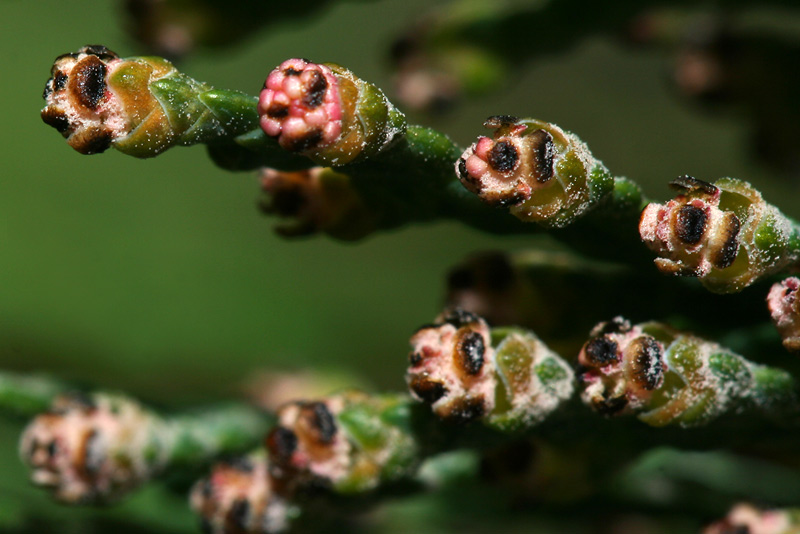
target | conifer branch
x=724, y=233
x=97, y=448
x=669, y=378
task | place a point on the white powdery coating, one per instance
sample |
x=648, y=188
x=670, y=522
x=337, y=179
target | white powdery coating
x=703, y=381
x=770, y=256
x=704, y=385
x=648, y=223
x=538, y=399
x=334, y=464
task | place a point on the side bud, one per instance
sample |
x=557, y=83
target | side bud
x=92, y=450
x=621, y=366
x=348, y=443
x=449, y=366
x=237, y=497
x=506, y=377
x=140, y=105
x=315, y=200
x=539, y=171
x=327, y=113
x=784, y=307
x=79, y=104
x=723, y=233
x=665, y=377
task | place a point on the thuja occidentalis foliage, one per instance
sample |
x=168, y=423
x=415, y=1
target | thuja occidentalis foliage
x=540, y=172
x=337, y=157
x=667, y=377
x=723, y=233
x=96, y=448
x=503, y=380
x=505, y=377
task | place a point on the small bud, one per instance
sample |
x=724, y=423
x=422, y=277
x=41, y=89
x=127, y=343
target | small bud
x=724, y=234
x=539, y=171
x=510, y=386
x=300, y=106
x=449, y=368
x=342, y=442
x=238, y=498
x=307, y=445
x=621, y=367
x=315, y=200
x=93, y=450
x=327, y=113
x=695, y=234
x=79, y=104
x=666, y=377
x=140, y=105
x=784, y=307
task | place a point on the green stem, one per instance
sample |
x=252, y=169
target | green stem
x=347, y=452
x=208, y=433
x=25, y=395
x=401, y=173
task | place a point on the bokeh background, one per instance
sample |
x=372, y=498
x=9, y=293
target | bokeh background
x=161, y=278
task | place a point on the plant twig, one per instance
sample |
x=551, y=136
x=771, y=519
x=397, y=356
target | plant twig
x=97, y=448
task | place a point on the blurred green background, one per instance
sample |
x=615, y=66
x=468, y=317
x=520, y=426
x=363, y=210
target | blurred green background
x=160, y=277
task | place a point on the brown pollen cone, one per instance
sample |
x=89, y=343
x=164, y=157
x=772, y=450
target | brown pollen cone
x=620, y=367
x=237, y=498
x=452, y=366
x=315, y=200
x=691, y=233
x=83, y=450
x=307, y=446
x=79, y=104
x=506, y=169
